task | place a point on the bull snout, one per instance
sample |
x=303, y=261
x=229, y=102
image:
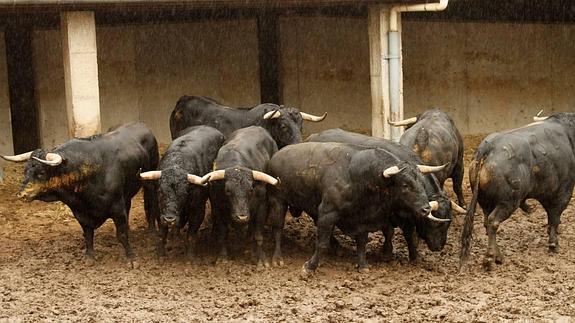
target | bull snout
x=169, y=220
x=241, y=218
x=424, y=211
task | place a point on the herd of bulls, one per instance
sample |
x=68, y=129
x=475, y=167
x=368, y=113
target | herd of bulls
x=252, y=165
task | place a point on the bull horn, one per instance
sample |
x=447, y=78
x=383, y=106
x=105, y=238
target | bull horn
x=406, y=122
x=434, y=205
x=311, y=117
x=151, y=175
x=391, y=171
x=430, y=169
x=197, y=180
x=52, y=159
x=432, y=218
x=538, y=116
x=214, y=176
x=263, y=177
x=458, y=208
x=272, y=114
x=18, y=158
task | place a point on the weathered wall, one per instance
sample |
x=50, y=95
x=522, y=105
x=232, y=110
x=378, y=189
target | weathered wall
x=144, y=69
x=5, y=125
x=325, y=67
x=489, y=76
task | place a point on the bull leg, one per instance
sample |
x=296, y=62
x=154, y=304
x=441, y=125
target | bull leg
x=222, y=237
x=151, y=206
x=499, y=214
x=361, y=241
x=388, y=243
x=121, y=222
x=554, y=210
x=89, y=241
x=412, y=241
x=260, y=220
x=325, y=225
x=196, y=218
x=162, y=240
x=277, y=211
x=457, y=179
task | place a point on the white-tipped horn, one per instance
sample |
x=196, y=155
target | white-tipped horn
x=432, y=218
x=391, y=171
x=434, y=205
x=272, y=114
x=51, y=159
x=197, y=180
x=151, y=175
x=538, y=116
x=458, y=208
x=311, y=117
x=263, y=177
x=214, y=176
x=406, y=122
x=430, y=169
x=18, y=158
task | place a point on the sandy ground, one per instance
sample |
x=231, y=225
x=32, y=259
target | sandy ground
x=43, y=276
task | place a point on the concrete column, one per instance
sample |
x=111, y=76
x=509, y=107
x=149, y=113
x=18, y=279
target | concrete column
x=378, y=27
x=81, y=72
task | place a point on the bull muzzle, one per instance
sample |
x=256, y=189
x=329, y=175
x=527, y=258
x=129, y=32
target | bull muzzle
x=241, y=218
x=169, y=220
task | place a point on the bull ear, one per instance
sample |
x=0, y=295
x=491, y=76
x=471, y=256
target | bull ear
x=18, y=158
x=151, y=175
x=272, y=115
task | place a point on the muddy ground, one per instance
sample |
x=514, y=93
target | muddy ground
x=43, y=275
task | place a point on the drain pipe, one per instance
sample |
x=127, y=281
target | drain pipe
x=394, y=45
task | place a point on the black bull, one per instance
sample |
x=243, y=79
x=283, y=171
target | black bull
x=181, y=192
x=284, y=124
x=345, y=185
x=435, y=138
x=535, y=161
x=96, y=177
x=434, y=233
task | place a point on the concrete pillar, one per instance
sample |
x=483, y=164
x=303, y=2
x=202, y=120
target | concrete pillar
x=81, y=72
x=378, y=27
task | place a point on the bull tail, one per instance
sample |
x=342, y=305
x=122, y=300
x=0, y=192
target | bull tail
x=467, y=234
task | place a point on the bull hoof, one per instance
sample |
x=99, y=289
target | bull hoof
x=553, y=247
x=363, y=269
x=221, y=261
x=306, y=272
x=263, y=264
x=161, y=260
x=488, y=263
x=134, y=264
x=387, y=257
x=278, y=262
x=89, y=261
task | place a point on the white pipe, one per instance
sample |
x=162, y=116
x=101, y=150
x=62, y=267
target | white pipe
x=394, y=45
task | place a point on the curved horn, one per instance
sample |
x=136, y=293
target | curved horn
x=432, y=218
x=430, y=169
x=538, y=116
x=406, y=122
x=151, y=175
x=18, y=158
x=214, y=176
x=434, y=205
x=311, y=117
x=197, y=180
x=391, y=171
x=458, y=208
x=263, y=177
x=272, y=114
x=52, y=159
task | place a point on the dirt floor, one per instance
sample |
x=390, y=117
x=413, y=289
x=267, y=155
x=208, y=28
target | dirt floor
x=43, y=275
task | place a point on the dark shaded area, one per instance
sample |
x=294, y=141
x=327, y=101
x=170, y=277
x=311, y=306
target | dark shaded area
x=19, y=61
x=269, y=57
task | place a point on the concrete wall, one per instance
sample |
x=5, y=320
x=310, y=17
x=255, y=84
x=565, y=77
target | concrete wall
x=5, y=124
x=489, y=76
x=144, y=69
